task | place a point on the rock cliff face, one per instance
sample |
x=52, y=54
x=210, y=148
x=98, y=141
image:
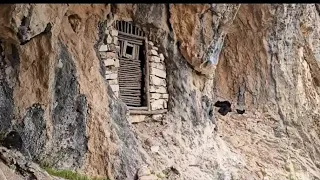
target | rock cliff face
x=263, y=58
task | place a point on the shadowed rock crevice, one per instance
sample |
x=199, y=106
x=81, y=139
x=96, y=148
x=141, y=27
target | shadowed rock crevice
x=24, y=28
x=101, y=36
x=23, y=31
x=12, y=140
x=75, y=22
x=208, y=108
x=224, y=107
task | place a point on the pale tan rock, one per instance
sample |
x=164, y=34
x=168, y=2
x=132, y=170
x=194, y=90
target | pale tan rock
x=106, y=31
x=111, y=55
x=159, y=89
x=115, y=40
x=155, y=59
x=158, y=104
x=109, y=39
x=157, y=65
x=137, y=118
x=116, y=93
x=150, y=177
x=104, y=48
x=112, y=76
x=160, y=174
x=151, y=141
x=117, y=48
x=157, y=116
x=153, y=52
x=107, y=72
x=155, y=95
x=8, y=174
x=165, y=96
x=159, y=73
x=114, y=87
x=154, y=148
x=113, y=48
x=161, y=57
x=144, y=171
x=159, y=96
x=165, y=104
x=113, y=82
x=154, y=80
x=114, y=32
x=103, y=55
x=109, y=62
x=116, y=63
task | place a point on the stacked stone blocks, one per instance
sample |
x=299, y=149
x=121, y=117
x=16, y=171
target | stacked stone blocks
x=109, y=54
x=158, y=85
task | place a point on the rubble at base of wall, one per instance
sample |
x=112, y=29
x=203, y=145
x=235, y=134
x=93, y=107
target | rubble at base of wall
x=137, y=118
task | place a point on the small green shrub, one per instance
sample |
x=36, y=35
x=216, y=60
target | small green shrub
x=67, y=174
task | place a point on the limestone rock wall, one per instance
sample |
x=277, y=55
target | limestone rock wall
x=272, y=52
x=269, y=55
x=54, y=94
x=158, y=74
x=54, y=89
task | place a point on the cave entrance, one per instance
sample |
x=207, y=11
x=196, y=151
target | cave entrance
x=133, y=70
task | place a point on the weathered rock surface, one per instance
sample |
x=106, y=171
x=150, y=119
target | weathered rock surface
x=53, y=91
x=276, y=59
x=267, y=53
x=270, y=50
x=202, y=31
x=14, y=166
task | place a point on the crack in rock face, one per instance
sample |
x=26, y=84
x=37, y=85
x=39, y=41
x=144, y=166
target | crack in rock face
x=12, y=140
x=75, y=22
x=24, y=36
x=23, y=29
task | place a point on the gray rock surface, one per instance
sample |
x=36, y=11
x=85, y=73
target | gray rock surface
x=14, y=166
x=69, y=116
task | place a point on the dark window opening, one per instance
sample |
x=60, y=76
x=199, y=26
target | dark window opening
x=129, y=50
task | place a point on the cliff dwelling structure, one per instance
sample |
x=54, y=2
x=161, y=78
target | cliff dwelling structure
x=135, y=70
x=160, y=91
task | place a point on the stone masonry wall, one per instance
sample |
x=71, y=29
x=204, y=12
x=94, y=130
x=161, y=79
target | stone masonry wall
x=157, y=71
x=158, y=85
x=109, y=54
